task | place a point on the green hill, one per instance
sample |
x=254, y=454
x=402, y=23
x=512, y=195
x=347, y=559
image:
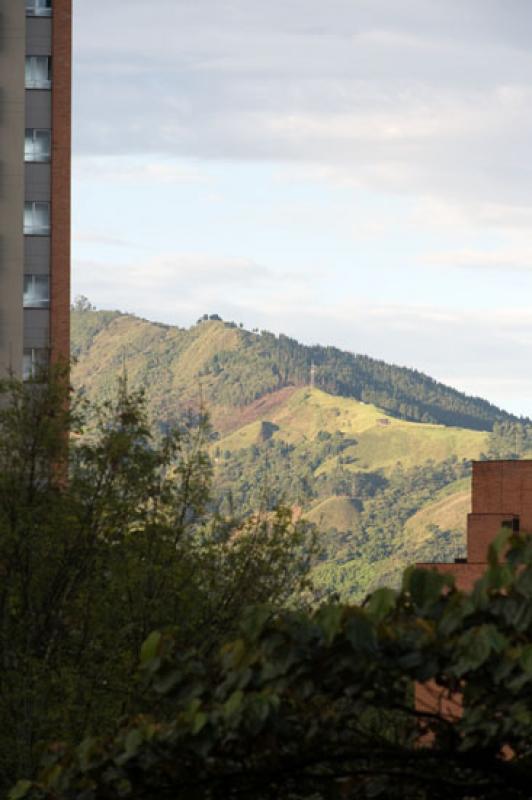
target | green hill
x=447, y=511
x=371, y=440
x=376, y=456
x=335, y=512
x=235, y=368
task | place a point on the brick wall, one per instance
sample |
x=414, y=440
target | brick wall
x=61, y=191
x=501, y=495
x=465, y=575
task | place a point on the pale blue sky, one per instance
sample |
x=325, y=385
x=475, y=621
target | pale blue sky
x=350, y=173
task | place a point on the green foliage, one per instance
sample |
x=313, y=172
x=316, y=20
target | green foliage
x=87, y=324
x=319, y=705
x=287, y=470
x=510, y=439
x=105, y=535
x=355, y=545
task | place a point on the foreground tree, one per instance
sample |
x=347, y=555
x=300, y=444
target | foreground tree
x=319, y=705
x=106, y=534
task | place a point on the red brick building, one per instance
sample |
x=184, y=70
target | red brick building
x=501, y=496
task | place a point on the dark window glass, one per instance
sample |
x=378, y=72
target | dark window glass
x=39, y=8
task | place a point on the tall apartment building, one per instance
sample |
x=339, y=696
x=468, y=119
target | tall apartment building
x=35, y=126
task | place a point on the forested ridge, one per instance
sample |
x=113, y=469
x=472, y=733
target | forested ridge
x=236, y=367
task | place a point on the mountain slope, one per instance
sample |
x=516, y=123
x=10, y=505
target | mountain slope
x=334, y=512
x=447, y=511
x=385, y=483
x=234, y=368
x=381, y=491
x=371, y=440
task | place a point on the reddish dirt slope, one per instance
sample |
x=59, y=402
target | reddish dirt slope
x=228, y=418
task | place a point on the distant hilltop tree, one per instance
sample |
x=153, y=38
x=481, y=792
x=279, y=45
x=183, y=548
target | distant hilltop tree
x=82, y=303
x=206, y=317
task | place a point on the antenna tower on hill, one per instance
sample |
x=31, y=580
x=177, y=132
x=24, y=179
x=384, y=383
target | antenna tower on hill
x=313, y=375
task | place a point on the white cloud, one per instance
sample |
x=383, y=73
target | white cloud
x=166, y=283
x=427, y=98
x=502, y=260
x=136, y=171
x=99, y=238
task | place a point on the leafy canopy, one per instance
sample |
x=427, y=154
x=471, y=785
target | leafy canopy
x=107, y=532
x=319, y=705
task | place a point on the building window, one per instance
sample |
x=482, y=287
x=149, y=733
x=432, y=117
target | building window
x=36, y=291
x=38, y=144
x=36, y=218
x=35, y=363
x=38, y=72
x=39, y=8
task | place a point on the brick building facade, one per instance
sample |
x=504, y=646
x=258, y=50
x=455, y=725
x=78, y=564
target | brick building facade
x=501, y=496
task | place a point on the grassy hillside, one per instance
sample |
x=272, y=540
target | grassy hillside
x=447, y=511
x=165, y=360
x=386, y=483
x=372, y=440
x=341, y=513
x=235, y=368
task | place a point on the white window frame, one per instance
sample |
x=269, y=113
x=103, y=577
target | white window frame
x=31, y=71
x=45, y=302
x=32, y=229
x=46, y=158
x=35, y=363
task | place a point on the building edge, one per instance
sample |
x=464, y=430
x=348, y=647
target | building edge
x=60, y=243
